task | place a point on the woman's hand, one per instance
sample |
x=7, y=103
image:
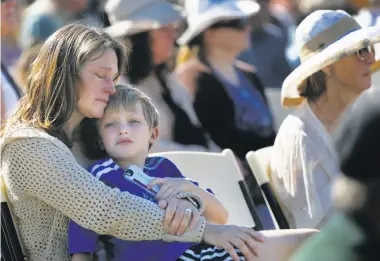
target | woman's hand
x=230, y=237
x=180, y=214
x=169, y=187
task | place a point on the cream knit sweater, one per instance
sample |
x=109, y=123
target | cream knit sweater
x=46, y=187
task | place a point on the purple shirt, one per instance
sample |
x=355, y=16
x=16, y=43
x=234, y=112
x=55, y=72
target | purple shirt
x=82, y=240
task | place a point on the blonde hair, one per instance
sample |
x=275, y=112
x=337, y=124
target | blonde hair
x=127, y=97
x=186, y=53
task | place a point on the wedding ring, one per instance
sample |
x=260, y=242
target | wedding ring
x=188, y=210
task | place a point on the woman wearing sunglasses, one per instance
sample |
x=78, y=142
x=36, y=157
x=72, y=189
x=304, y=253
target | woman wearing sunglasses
x=336, y=55
x=228, y=96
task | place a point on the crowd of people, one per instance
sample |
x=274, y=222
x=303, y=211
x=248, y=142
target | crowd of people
x=90, y=87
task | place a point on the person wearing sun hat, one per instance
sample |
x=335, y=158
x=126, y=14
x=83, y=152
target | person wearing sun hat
x=353, y=234
x=229, y=97
x=149, y=26
x=336, y=55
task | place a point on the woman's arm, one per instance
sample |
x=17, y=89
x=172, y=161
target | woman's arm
x=297, y=169
x=38, y=168
x=214, y=211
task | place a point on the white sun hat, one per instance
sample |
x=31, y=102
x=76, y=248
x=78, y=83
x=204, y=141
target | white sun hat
x=128, y=17
x=323, y=38
x=201, y=14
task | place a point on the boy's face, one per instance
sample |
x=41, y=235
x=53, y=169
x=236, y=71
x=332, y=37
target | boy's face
x=126, y=135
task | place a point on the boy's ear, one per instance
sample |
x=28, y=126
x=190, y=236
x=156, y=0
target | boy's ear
x=154, y=136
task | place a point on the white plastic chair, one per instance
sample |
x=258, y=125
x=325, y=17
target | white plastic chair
x=259, y=162
x=219, y=172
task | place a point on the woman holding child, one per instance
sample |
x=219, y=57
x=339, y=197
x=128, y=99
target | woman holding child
x=72, y=79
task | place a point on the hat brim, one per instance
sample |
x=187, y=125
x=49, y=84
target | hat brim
x=151, y=17
x=225, y=11
x=345, y=46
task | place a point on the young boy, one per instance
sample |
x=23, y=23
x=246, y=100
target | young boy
x=123, y=136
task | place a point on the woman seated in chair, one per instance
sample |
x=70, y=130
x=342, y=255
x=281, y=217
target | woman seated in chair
x=229, y=98
x=336, y=55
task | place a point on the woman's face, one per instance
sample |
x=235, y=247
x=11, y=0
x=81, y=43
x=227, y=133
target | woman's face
x=234, y=38
x=354, y=71
x=162, y=43
x=97, y=84
x=8, y=16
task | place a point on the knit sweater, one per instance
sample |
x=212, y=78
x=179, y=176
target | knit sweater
x=46, y=187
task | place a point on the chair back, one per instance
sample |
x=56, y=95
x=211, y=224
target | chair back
x=220, y=173
x=259, y=161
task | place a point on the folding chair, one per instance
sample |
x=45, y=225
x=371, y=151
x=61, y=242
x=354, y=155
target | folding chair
x=219, y=172
x=10, y=244
x=258, y=161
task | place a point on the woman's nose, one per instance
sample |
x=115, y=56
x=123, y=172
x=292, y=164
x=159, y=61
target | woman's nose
x=371, y=58
x=110, y=88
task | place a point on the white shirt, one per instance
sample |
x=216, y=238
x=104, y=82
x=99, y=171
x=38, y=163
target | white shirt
x=304, y=163
x=10, y=95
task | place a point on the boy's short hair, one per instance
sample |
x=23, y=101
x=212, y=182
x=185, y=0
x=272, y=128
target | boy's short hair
x=127, y=97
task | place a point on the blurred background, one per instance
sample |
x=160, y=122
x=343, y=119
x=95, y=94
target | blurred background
x=27, y=23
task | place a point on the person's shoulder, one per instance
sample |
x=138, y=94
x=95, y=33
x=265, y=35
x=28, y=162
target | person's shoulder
x=102, y=167
x=158, y=163
x=191, y=68
x=293, y=124
x=21, y=134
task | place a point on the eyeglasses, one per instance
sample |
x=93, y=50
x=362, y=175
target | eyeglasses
x=239, y=24
x=364, y=52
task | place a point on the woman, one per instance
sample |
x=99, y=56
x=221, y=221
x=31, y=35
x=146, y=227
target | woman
x=151, y=33
x=72, y=79
x=336, y=55
x=229, y=98
x=353, y=234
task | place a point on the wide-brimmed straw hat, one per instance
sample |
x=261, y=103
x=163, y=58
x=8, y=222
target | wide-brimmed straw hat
x=323, y=38
x=201, y=14
x=128, y=17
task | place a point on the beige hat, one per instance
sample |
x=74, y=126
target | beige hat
x=323, y=38
x=130, y=17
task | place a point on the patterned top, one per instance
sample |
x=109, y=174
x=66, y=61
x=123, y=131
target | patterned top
x=82, y=240
x=46, y=187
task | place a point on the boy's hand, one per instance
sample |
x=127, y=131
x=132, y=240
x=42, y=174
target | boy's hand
x=169, y=187
x=179, y=216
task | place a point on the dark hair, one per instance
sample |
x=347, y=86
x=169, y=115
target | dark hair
x=199, y=43
x=141, y=58
x=314, y=86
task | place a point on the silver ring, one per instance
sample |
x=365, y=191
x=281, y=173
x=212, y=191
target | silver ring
x=188, y=210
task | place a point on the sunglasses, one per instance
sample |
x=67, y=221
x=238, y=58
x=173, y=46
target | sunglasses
x=239, y=24
x=364, y=52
